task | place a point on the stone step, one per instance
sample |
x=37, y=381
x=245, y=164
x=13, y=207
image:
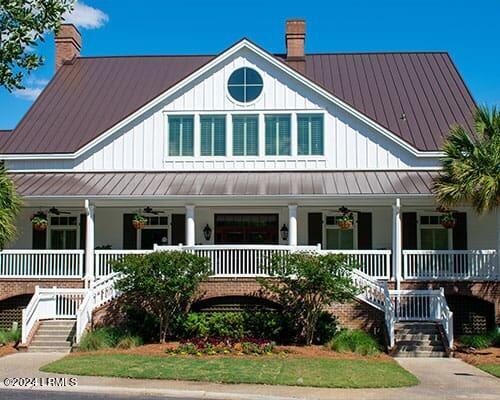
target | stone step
x=419, y=354
x=52, y=343
x=64, y=323
x=419, y=342
x=412, y=347
x=418, y=336
x=49, y=349
x=415, y=331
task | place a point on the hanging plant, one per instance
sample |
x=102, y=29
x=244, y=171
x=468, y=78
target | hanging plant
x=345, y=221
x=448, y=220
x=39, y=221
x=139, y=222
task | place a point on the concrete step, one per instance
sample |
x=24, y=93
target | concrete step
x=65, y=323
x=418, y=336
x=49, y=349
x=419, y=342
x=54, y=333
x=416, y=331
x=413, y=347
x=46, y=331
x=51, y=343
x=421, y=354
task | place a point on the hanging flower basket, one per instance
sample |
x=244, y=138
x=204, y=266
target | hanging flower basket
x=139, y=222
x=448, y=221
x=39, y=221
x=345, y=222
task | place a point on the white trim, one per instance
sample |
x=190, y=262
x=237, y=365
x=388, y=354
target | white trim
x=243, y=44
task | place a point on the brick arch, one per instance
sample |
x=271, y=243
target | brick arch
x=11, y=309
x=11, y=288
x=471, y=314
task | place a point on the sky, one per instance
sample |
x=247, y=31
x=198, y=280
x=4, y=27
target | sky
x=467, y=29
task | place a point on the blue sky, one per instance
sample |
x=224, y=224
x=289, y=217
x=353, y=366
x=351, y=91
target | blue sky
x=467, y=29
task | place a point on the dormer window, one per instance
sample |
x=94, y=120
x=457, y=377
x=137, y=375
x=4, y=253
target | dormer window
x=245, y=85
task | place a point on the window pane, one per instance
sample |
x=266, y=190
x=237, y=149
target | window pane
x=252, y=92
x=187, y=136
x=238, y=136
x=252, y=77
x=317, y=135
x=174, y=136
x=237, y=93
x=219, y=136
x=245, y=135
x=434, y=239
x=70, y=239
x=284, y=136
x=440, y=239
x=206, y=136
x=57, y=239
x=346, y=239
x=237, y=77
x=271, y=148
x=303, y=135
x=252, y=136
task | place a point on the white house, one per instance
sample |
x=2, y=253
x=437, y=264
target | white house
x=242, y=154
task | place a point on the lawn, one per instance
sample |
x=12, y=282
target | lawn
x=493, y=369
x=272, y=370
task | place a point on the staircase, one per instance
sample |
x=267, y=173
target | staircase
x=53, y=336
x=418, y=339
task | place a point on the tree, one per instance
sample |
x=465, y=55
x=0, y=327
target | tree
x=162, y=283
x=22, y=24
x=471, y=167
x=306, y=283
x=10, y=204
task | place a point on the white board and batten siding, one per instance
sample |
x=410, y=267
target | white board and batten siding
x=142, y=144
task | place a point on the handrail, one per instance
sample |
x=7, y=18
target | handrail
x=27, y=315
x=390, y=317
x=84, y=315
x=446, y=318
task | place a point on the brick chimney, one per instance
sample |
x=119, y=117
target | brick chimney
x=295, y=38
x=68, y=44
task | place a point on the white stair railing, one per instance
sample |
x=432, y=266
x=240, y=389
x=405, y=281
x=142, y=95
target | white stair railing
x=104, y=289
x=390, y=317
x=445, y=316
x=84, y=315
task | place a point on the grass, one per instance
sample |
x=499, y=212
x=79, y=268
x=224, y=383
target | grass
x=272, y=370
x=493, y=369
x=106, y=338
x=356, y=341
x=11, y=336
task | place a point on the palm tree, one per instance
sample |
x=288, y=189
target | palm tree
x=471, y=167
x=10, y=204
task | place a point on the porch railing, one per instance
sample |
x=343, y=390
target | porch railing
x=104, y=258
x=450, y=265
x=374, y=263
x=56, y=264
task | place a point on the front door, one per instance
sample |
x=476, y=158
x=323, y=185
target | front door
x=152, y=236
x=246, y=229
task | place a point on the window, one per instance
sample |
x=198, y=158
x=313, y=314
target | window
x=245, y=85
x=63, y=233
x=433, y=236
x=278, y=135
x=310, y=134
x=180, y=135
x=155, y=232
x=213, y=135
x=336, y=238
x=245, y=135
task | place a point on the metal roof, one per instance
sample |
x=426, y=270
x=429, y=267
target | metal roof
x=417, y=96
x=297, y=183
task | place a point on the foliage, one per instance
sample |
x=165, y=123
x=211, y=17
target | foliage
x=306, y=283
x=39, y=218
x=102, y=338
x=356, y=341
x=326, y=328
x=482, y=340
x=223, y=345
x=10, y=204
x=274, y=370
x=161, y=283
x=22, y=24
x=140, y=218
x=128, y=342
x=471, y=167
x=448, y=217
x=346, y=217
x=10, y=336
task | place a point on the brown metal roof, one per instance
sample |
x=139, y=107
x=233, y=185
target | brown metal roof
x=3, y=137
x=127, y=184
x=90, y=96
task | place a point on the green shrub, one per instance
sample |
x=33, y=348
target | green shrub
x=102, y=338
x=482, y=340
x=12, y=336
x=128, y=342
x=357, y=341
x=327, y=327
x=264, y=324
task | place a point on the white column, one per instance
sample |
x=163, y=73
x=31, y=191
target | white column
x=292, y=224
x=190, y=226
x=89, y=243
x=397, y=245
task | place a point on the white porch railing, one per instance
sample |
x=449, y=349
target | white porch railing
x=84, y=315
x=104, y=289
x=450, y=265
x=103, y=259
x=53, y=264
x=374, y=263
x=51, y=304
x=239, y=260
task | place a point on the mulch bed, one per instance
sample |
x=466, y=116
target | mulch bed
x=491, y=355
x=7, y=349
x=159, y=350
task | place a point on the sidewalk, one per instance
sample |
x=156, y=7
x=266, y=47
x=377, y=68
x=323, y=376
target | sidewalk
x=445, y=378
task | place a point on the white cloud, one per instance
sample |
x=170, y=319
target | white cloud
x=28, y=93
x=84, y=16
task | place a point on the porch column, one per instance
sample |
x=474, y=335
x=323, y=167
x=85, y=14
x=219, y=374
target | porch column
x=190, y=226
x=397, y=246
x=89, y=243
x=292, y=224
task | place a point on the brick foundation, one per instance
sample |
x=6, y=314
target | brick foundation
x=15, y=287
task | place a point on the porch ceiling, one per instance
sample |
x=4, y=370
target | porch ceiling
x=185, y=184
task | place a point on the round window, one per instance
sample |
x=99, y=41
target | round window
x=245, y=85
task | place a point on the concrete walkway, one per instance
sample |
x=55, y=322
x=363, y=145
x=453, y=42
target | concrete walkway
x=440, y=379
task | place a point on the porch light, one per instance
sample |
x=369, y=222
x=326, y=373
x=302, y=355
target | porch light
x=284, y=232
x=207, y=232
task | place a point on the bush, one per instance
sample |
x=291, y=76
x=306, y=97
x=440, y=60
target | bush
x=223, y=345
x=128, y=342
x=12, y=336
x=481, y=341
x=357, y=341
x=326, y=328
x=102, y=338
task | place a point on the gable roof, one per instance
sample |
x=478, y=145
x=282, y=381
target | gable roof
x=93, y=94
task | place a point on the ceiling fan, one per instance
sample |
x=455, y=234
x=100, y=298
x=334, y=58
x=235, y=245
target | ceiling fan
x=56, y=211
x=149, y=210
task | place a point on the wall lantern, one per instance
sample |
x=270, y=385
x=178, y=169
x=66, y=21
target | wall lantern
x=284, y=232
x=207, y=232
